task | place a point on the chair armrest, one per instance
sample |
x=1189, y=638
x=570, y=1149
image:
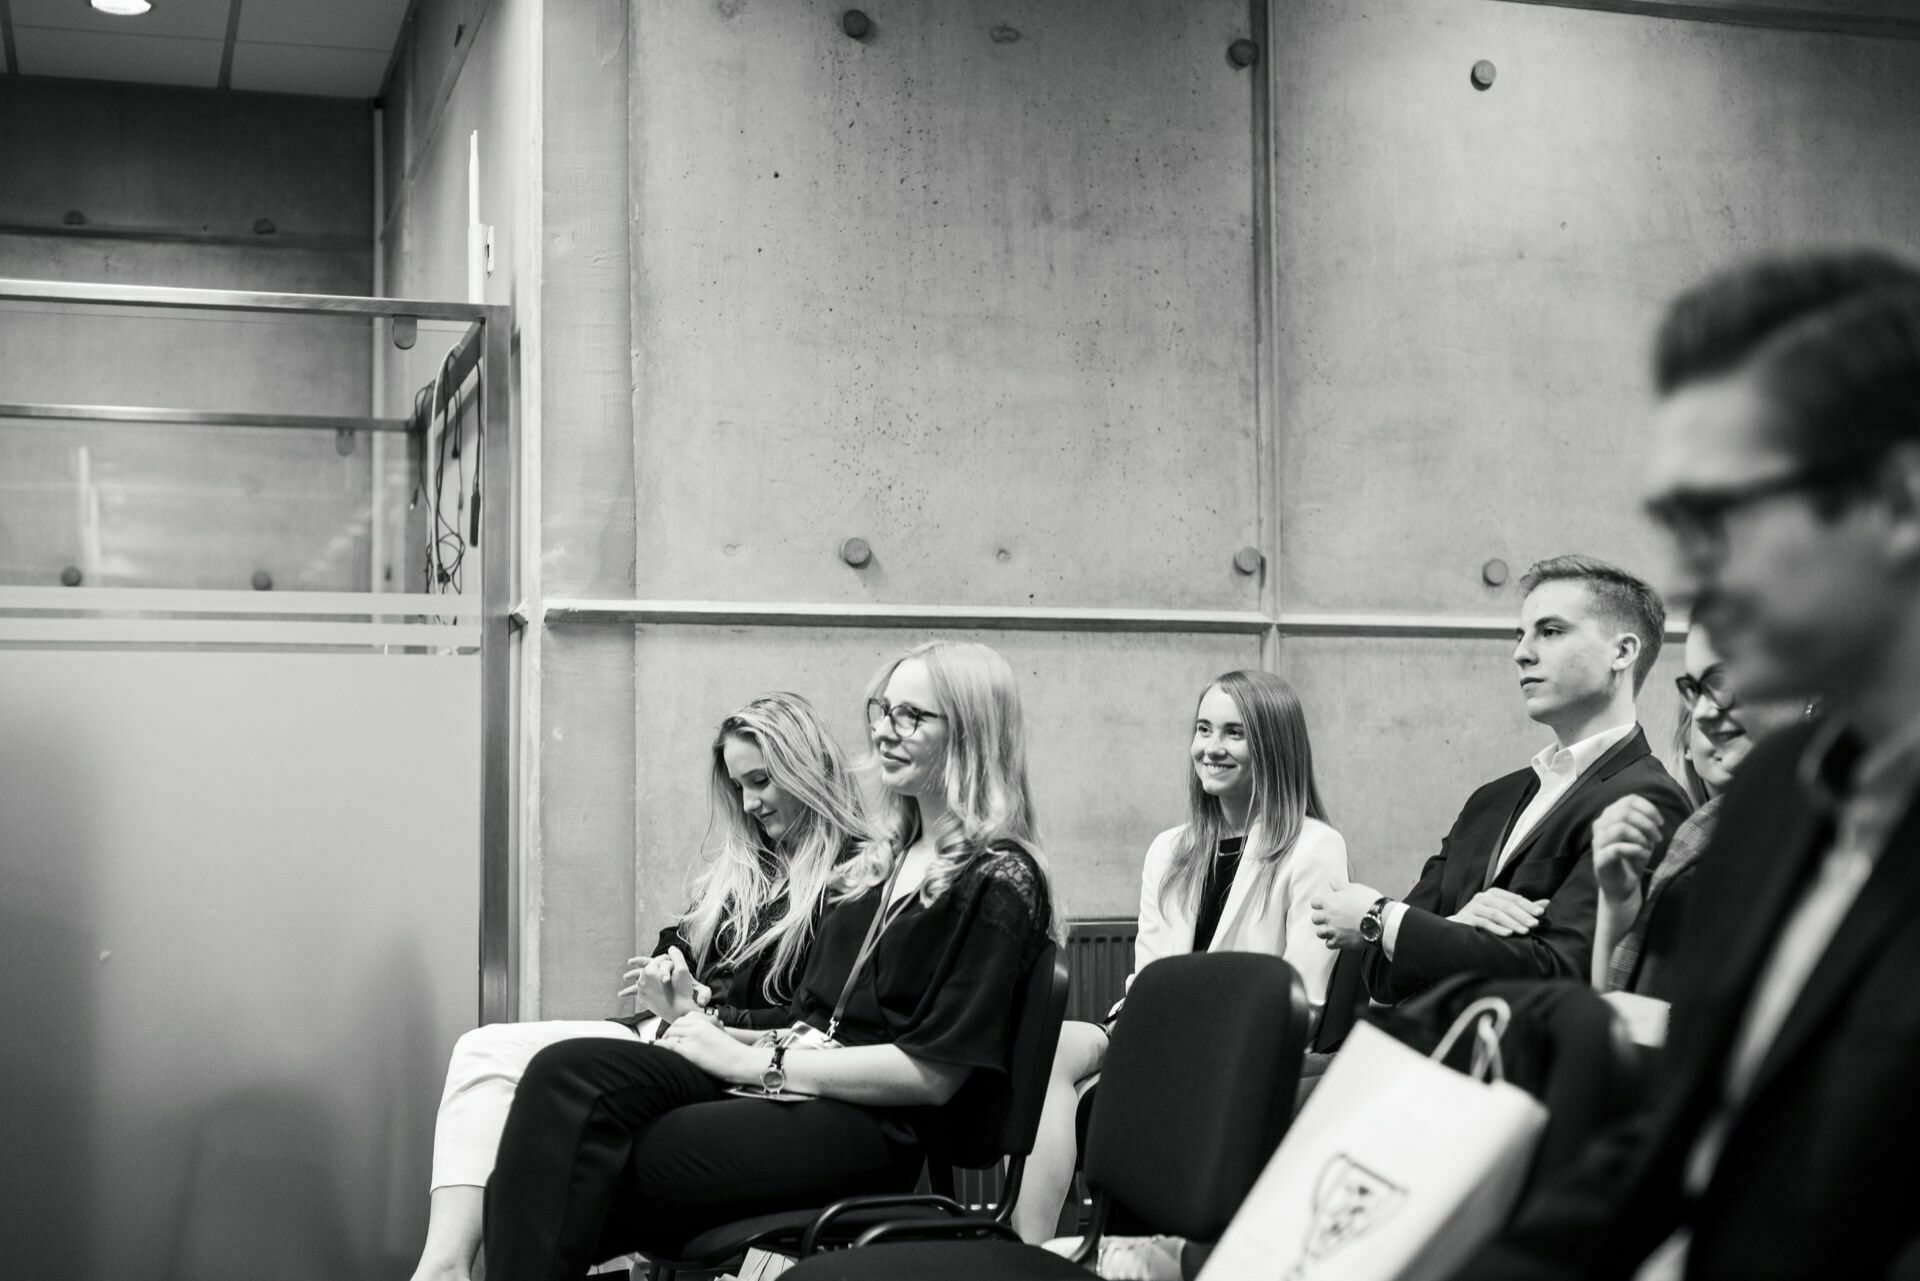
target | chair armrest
x=936, y=1230
x=810, y=1239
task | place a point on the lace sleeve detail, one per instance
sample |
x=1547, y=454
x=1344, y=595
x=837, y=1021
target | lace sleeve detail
x=1013, y=891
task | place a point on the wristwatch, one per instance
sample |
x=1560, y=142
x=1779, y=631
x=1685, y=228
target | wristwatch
x=1373, y=924
x=774, y=1079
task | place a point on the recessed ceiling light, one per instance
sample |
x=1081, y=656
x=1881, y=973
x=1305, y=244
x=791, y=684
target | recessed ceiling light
x=123, y=8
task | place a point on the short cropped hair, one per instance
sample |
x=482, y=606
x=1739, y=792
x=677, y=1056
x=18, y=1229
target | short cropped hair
x=1619, y=597
x=1833, y=336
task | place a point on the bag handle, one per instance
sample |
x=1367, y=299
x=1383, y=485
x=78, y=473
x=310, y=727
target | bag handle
x=1488, y=1017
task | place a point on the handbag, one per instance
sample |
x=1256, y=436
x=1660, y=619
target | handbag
x=805, y=1036
x=1397, y=1169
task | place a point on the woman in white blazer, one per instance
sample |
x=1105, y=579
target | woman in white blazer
x=1235, y=877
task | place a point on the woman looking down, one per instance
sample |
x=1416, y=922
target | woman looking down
x=789, y=815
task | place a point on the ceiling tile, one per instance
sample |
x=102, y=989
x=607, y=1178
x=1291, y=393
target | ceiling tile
x=341, y=24
x=204, y=18
x=290, y=68
x=85, y=55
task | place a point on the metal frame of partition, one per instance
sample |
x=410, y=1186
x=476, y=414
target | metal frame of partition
x=486, y=346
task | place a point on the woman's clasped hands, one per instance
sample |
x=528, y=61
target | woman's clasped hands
x=664, y=985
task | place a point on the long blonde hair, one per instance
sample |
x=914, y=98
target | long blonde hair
x=1285, y=793
x=989, y=802
x=747, y=873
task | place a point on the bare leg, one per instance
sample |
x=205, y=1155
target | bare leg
x=453, y=1233
x=1049, y=1171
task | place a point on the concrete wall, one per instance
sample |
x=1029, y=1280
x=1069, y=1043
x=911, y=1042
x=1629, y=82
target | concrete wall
x=1467, y=283
x=127, y=185
x=987, y=290
x=444, y=90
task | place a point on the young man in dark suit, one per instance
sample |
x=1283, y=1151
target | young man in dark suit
x=1786, y=467
x=1511, y=893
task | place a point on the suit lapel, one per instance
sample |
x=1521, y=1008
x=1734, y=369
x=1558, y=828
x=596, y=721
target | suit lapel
x=1467, y=876
x=1886, y=902
x=1615, y=759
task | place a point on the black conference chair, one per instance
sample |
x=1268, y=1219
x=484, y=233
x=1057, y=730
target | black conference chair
x=1195, y=1095
x=1002, y=1115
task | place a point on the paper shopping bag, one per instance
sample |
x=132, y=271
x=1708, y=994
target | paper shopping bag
x=1397, y=1169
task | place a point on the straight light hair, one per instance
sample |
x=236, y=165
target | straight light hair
x=747, y=872
x=989, y=802
x=1285, y=793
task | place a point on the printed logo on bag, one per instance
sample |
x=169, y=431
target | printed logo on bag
x=1349, y=1200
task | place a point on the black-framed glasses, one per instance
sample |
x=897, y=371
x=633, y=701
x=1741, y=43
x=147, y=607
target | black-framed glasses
x=1696, y=518
x=903, y=717
x=1712, y=684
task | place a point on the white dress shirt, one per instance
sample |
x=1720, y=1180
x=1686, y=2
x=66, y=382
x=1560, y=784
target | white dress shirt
x=1559, y=768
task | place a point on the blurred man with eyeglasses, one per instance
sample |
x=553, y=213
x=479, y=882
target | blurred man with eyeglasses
x=1786, y=467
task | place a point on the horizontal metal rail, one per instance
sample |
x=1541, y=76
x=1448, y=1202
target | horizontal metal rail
x=171, y=600
x=228, y=631
x=195, y=418
x=15, y=290
x=1000, y=618
x=1028, y=618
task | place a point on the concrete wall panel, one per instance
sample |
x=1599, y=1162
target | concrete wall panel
x=585, y=890
x=1467, y=281
x=977, y=289
x=586, y=469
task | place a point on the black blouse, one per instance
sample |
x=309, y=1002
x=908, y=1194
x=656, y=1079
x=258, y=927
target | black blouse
x=1213, y=893
x=943, y=980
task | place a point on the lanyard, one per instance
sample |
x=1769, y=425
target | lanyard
x=882, y=916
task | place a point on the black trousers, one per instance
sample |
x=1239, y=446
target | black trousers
x=614, y=1146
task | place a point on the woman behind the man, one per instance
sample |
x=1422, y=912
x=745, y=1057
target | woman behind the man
x=1641, y=918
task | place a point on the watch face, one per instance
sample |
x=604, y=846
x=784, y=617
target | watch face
x=1370, y=928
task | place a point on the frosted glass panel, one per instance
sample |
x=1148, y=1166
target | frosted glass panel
x=239, y=896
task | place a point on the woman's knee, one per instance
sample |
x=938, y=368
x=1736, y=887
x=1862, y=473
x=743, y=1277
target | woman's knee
x=1082, y=1049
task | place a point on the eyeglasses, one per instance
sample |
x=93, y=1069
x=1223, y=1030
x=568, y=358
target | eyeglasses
x=1712, y=684
x=902, y=717
x=1697, y=518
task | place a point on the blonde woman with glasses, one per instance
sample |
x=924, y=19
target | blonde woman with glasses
x=903, y=1020
x=1235, y=877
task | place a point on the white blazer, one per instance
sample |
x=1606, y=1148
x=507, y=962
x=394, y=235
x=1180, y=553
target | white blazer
x=1283, y=929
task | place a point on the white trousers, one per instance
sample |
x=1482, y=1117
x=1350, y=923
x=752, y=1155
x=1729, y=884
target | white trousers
x=482, y=1075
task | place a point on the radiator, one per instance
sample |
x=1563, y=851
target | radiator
x=1099, y=958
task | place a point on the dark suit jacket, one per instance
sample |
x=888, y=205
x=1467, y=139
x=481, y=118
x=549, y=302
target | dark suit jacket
x=1815, y=1179
x=1553, y=862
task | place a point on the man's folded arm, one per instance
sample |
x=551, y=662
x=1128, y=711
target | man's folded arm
x=1431, y=948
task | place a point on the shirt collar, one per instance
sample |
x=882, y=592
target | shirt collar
x=1580, y=757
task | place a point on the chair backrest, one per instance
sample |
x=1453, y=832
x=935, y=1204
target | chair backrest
x=996, y=1116
x=1197, y=1088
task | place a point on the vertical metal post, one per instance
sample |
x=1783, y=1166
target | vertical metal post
x=497, y=540
x=1266, y=359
